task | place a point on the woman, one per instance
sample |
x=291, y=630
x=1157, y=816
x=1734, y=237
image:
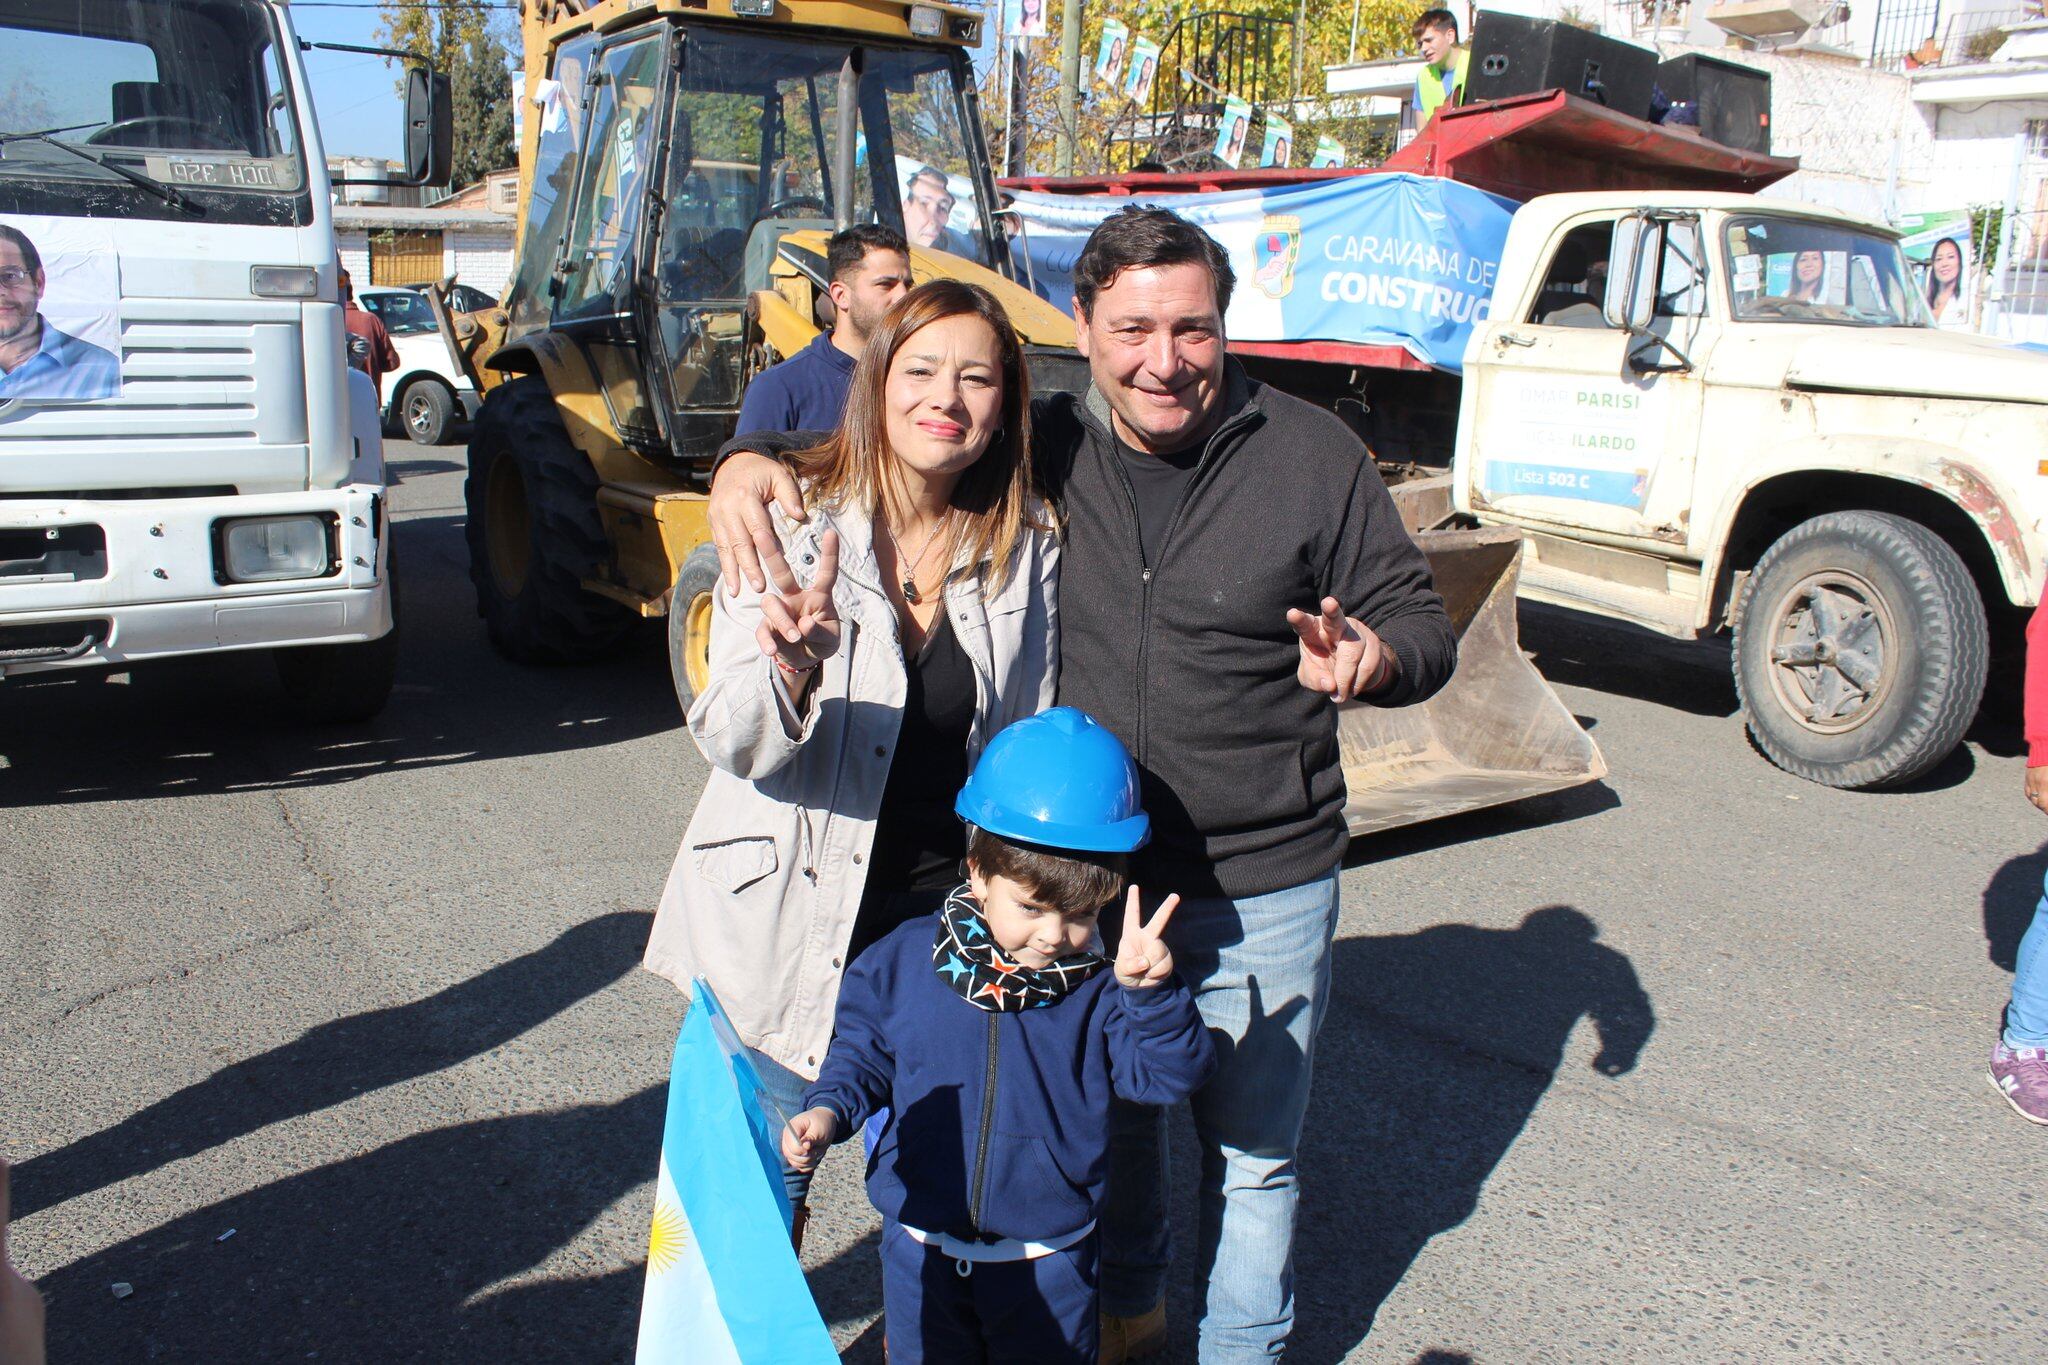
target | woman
x=1808, y=269
x=927, y=625
x=1945, y=285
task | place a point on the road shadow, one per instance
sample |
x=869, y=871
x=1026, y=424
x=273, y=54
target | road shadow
x=219, y=723
x=1437, y=1048
x=422, y=466
x=2009, y=901
x=389, y=1256
x=1535, y=812
x=1580, y=650
x=335, y=1061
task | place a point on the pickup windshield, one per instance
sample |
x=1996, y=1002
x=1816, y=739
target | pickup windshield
x=100, y=98
x=1804, y=270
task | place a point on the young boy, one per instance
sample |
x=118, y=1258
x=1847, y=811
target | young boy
x=995, y=1038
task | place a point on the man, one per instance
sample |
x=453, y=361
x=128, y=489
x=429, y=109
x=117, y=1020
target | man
x=369, y=345
x=1441, y=81
x=1232, y=566
x=36, y=359
x=928, y=205
x=869, y=267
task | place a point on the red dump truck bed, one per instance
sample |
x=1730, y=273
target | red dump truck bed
x=1550, y=143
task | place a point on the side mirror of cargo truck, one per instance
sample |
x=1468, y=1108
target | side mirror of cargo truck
x=1631, y=300
x=429, y=127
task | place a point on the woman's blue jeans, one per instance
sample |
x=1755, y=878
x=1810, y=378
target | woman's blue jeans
x=2026, y=1018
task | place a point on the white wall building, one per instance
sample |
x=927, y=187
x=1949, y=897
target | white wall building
x=382, y=245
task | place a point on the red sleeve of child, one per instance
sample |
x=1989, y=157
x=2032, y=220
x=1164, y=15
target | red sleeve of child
x=2037, y=687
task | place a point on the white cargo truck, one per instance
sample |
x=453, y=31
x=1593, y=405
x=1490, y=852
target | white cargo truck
x=187, y=464
x=1715, y=412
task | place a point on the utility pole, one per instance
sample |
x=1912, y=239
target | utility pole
x=1070, y=86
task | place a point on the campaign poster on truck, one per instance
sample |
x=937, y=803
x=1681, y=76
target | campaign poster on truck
x=60, y=325
x=1585, y=438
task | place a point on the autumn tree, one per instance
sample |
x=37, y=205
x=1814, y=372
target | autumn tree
x=458, y=37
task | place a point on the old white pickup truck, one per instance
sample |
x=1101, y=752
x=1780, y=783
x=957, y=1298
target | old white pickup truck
x=1713, y=412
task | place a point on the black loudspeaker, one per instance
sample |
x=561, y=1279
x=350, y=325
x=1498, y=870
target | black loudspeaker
x=1512, y=55
x=1733, y=101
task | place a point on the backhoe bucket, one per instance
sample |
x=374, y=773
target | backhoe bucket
x=1496, y=732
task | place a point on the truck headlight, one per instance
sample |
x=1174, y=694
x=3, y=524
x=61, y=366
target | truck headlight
x=265, y=549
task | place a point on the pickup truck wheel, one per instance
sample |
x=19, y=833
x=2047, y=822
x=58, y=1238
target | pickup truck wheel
x=429, y=412
x=534, y=532
x=689, y=624
x=1860, y=650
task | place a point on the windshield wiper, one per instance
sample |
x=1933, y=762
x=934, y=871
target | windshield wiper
x=133, y=177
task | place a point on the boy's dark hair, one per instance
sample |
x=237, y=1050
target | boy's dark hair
x=1135, y=237
x=1434, y=18
x=849, y=247
x=1067, y=880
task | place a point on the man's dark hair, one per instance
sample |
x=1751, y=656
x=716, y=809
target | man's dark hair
x=933, y=173
x=31, y=259
x=1134, y=238
x=1435, y=18
x=1069, y=881
x=849, y=247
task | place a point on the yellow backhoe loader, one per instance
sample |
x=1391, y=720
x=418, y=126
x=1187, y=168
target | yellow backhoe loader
x=682, y=165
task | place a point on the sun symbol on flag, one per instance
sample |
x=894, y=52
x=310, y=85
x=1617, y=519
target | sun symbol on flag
x=667, y=1235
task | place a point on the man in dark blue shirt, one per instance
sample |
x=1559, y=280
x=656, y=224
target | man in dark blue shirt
x=870, y=269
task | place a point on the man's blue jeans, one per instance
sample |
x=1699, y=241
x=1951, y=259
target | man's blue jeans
x=1260, y=971
x=2026, y=1018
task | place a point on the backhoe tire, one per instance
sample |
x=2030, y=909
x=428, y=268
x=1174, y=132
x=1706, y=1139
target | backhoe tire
x=689, y=623
x=343, y=684
x=534, y=533
x=1861, y=650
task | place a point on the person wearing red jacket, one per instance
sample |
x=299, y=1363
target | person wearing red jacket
x=2019, y=1064
x=369, y=345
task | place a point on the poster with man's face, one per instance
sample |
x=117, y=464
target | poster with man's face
x=60, y=326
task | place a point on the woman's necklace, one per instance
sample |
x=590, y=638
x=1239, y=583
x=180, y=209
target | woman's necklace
x=910, y=592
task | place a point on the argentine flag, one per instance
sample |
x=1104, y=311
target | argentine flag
x=723, y=1286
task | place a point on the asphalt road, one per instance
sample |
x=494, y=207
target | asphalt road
x=334, y=1046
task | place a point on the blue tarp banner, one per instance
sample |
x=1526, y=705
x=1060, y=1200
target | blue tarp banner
x=723, y=1286
x=1377, y=260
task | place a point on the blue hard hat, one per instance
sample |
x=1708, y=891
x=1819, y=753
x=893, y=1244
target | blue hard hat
x=1061, y=779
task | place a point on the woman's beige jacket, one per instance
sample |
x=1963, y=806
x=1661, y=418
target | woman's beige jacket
x=762, y=896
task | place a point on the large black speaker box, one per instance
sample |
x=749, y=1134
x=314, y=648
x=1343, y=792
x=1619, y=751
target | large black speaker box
x=1513, y=55
x=1733, y=101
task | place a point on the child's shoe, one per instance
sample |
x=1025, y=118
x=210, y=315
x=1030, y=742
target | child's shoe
x=2021, y=1075
x=1133, y=1338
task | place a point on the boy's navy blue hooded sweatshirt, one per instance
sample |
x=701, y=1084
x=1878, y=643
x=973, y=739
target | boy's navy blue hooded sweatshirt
x=999, y=1122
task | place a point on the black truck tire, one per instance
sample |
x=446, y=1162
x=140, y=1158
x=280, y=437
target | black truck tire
x=428, y=411
x=689, y=622
x=534, y=533
x=1860, y=650
x=343, y=684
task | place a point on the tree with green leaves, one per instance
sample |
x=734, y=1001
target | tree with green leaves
x=459, y=37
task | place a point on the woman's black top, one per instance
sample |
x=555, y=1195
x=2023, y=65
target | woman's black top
x=918, y=840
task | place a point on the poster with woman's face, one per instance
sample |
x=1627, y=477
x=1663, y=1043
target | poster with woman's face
x=1030, y=19
x=1278, y=148
x=1231, y=130
x=60, y=324
x=1144, y=65
x=1109, y=57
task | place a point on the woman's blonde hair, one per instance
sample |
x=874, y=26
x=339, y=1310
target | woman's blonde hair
x=855, y=469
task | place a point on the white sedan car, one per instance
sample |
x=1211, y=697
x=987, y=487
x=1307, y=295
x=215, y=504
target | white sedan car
x=426, y=394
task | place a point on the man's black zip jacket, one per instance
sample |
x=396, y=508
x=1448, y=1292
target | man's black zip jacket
x=1191, y=661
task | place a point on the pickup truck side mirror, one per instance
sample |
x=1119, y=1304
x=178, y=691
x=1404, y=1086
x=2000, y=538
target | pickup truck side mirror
x=1631, y=300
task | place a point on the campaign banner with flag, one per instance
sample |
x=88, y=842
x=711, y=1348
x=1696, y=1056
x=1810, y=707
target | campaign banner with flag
x=723, y=1285
x=1377, y=260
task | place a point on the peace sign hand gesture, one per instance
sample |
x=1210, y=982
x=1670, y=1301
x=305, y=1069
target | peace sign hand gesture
x=1143, y=960
x=1341, y=657
x=800, y=626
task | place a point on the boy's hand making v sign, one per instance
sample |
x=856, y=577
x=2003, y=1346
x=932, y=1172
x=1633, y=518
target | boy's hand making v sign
x=1142, y=958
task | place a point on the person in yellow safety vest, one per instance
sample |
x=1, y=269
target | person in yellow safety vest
x=1442, y=79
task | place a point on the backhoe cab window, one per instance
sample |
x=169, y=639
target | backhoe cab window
x=1789, y=270
x=190, y=94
